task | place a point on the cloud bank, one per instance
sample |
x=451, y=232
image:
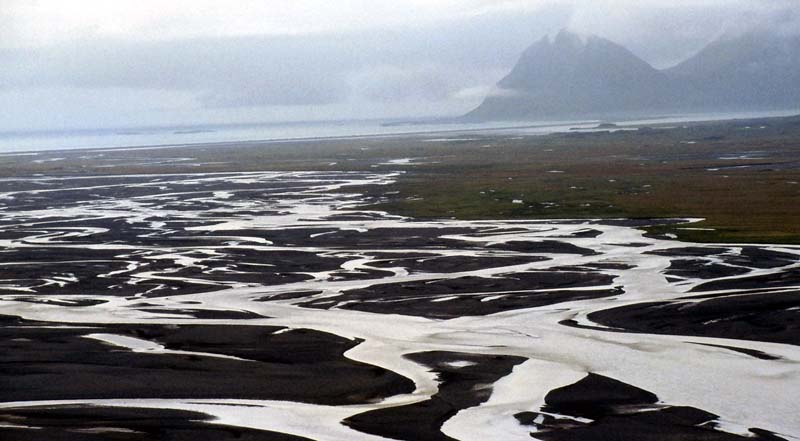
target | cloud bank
x=89, y=63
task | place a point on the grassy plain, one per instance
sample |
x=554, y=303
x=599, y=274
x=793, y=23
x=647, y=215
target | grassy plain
x=741, y=176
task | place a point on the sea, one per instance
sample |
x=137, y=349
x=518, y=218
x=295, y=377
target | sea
x=187, y=135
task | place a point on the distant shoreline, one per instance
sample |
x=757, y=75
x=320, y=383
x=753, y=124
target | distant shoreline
x=372, y=130
x=742, y=176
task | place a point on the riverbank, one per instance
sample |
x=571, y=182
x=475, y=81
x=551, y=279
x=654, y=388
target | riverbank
x=741, y=176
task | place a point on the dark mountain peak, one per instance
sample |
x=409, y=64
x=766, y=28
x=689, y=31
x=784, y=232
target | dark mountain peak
x=545, y=41
x=568, y=39
x=569, y=75
x=754, y=70
x=587, y=62
x=751, y=50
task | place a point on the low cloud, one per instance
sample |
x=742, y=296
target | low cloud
x=444, y=64
x=388, y=83
x=665, y=33
x=480, y=92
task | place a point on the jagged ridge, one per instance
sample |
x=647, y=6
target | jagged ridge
x=571, y=76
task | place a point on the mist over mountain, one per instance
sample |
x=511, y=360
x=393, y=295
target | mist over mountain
x=758, y=70
x=570, y=75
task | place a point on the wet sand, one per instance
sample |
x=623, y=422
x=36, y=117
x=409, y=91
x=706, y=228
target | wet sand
x=271, y=305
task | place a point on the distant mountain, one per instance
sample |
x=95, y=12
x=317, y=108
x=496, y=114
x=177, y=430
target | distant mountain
x=571, y=76
x=756, y=70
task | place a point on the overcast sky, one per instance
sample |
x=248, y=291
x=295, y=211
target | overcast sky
x=120, y=63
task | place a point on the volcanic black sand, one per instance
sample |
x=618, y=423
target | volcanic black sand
x=215, y=302
x=42, y=362
x=464, y=296
x=460, y=386
x=613, y=410
x=96, y=423
x=764, y=316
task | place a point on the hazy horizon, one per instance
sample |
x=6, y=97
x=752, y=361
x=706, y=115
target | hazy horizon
x=92, y=64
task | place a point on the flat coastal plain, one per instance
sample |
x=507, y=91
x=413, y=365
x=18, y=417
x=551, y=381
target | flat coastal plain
x=626, y=282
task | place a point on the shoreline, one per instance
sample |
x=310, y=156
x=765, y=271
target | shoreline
x=558, y=126
x=741, y=176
